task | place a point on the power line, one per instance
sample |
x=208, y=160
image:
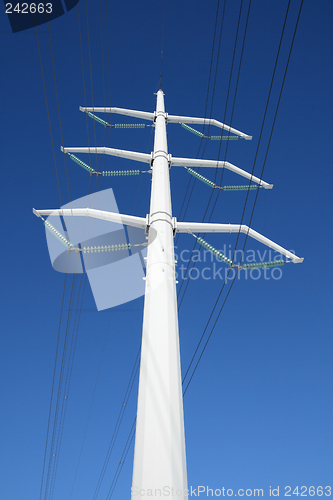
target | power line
x=236, y=88
x=135, y=367
x=76, y=470
x=58, y=106
x=59, y=417
x=228, y=91
x=101, y=30
x=205, y=113
x=57, y=434
x=69, y=371
x=54, y=449
x=53, y=386
x=260, y=135
x=224, y=117
x=48, y=114
x=64, y=287
x=108, y=52
x=122, y=460
x=161, y=72
x=118, y=422
x=91, y=78
x=272, y=129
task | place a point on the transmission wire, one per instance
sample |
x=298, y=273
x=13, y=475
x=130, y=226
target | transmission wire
x=224, y=117
x=161, y=72
x=108, y=52
x=53, y=453
x=53, y=385
x=85, y=100
x=64, y=287
x=122, y=460
x=63, y=295
x=259, y=140
x=118, y=422
x=192, y=180
x=70, y=365
x=102, y=474
x=69, y=371
x=59, y=429
x=266, y=155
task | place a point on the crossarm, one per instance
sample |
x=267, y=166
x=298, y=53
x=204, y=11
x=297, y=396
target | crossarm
x=127, y=220
x=130, y=155
x=191, y=162
x=122, y=111
x=206, y=121
x=197, y=227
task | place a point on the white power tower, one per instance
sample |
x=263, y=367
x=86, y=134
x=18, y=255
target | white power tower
x=159, y=456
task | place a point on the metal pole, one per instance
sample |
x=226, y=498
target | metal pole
x=159, y=456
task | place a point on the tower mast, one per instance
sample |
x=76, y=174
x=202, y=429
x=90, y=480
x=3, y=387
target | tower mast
x=159, y=456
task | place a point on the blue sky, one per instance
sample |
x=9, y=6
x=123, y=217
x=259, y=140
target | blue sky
x=258, y=411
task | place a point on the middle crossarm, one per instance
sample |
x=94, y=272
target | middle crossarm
x=176, y=162
x=202, y=227
x=191, y=162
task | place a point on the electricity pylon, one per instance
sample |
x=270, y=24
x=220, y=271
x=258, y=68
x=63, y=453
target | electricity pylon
x=159, y=456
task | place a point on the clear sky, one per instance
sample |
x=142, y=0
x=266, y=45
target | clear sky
x=258, y=411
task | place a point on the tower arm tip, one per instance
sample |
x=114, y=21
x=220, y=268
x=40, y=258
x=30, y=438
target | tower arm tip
x=35, y=212
x=297, y=260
